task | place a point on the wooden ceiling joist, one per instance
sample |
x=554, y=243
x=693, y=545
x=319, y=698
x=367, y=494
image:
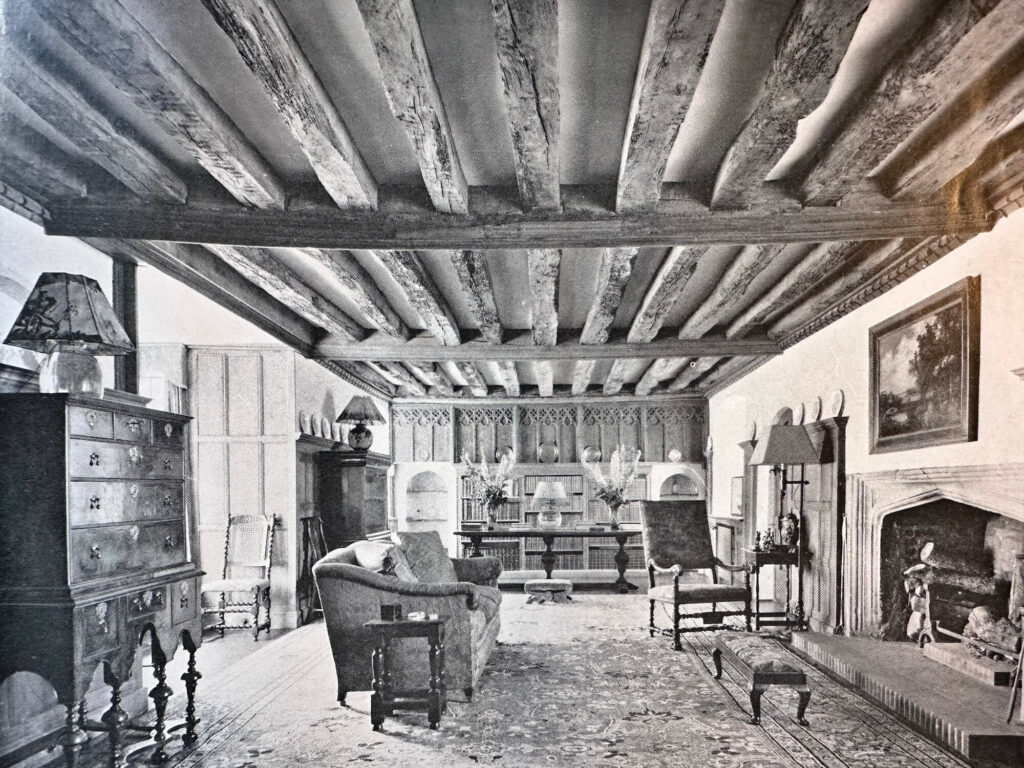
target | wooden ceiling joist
x=415, y=100
x=526, y=32
x=362, y=290
x=475, y=281
x=400, y=377
x=211, y=276
x=13, y=199
x=675, y=272
x=692, y=371
x=104, y=33
x=661, y=369
x=35, y=80
x=263, y=268
x=269, y=49
x=981, y=114
x=675, y=47
x=813, y=44
x=433, y=376
x=822, y=261
x=674, y=223
x=542, y=277
x=362, y=375
x=32, y=162
x=422, y=293
x=613, y=274
x=509, y=377
x=952, y=49
x=521, y=347
x=475, y=381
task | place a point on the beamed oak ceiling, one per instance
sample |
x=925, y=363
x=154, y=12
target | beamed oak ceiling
x=519, y=197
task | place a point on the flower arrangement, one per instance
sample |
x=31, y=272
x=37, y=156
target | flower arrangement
x=490, y=485
x=611, y=488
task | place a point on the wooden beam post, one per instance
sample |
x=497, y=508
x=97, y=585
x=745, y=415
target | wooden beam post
x=125, y=304
x=542, y=275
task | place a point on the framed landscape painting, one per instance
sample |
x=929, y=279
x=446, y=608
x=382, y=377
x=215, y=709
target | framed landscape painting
x=924, y=371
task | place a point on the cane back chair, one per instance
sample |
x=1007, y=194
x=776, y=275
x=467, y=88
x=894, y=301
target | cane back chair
x=244, y=586
x=677, y=538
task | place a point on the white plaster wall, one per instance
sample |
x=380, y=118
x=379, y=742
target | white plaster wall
x=837, y=357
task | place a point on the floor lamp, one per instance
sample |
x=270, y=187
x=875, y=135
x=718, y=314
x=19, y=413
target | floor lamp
x=785, y=445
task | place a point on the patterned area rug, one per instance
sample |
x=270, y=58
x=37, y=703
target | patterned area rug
x=576, y=684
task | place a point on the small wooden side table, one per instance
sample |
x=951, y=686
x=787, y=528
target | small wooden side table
x=385, y=698
x=757, y=559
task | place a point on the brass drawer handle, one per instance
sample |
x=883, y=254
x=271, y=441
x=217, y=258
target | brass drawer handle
x=94, y=552
x=94, y=502
x=167, y=500
x=94, y=459
x=134, y=425
x=134, y=455
x=168, y=430
x=184, y=600
x=170, y=542
x=167, y=465
x=101, y=618
x=91, y=419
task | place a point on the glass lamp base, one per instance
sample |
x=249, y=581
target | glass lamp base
x=72, y=371
x=549, y=518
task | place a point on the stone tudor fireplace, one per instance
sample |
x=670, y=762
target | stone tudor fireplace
x=890, y=515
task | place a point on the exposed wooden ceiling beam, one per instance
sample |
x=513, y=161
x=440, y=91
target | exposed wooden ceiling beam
x=660, y=369
x=509, y=377
x=950, y=51
x=811, y=270
x=674, y=224
x=34, y=79
x=475, y=281
x=211, y=276
x=860, y=272
x=526, y=32
x=810, y=50
x=414, y=98
x=32, y=162
x=520, y=347
x=542, y=277
x=675, y=47
x=400, y=377
x=105, y=34
x=731, y=289
x=13, y=199
x=981, y=114
x=361, y=288
x=433, y=376
x=269, y=49
x=362, y=376
x=692, y=371
x=422, y=293
x=475, y=381
x=262, y=268
x=613, y=274
x=674, y=273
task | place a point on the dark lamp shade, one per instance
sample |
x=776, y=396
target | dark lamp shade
x=360, y=410
x=69, y=312
x=785, y=444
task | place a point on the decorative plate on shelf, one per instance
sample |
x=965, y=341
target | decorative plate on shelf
x=675, y=455
x=591, y=453
x=315, y=427
x=304, y=423
x=799, y=413
x=501, y=453
x=547, y=453
x=325, y=427
x=838, y=403
x=816, y=409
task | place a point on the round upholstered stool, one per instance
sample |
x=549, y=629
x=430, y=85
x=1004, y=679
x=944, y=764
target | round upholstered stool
x=542, y=590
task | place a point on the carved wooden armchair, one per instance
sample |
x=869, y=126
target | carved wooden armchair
x=677, y=539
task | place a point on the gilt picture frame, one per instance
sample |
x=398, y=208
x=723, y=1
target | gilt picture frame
x=924, y=371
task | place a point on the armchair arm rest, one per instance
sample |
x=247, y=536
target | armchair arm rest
x=345, y=572
x=478, y=570
x=731, y=568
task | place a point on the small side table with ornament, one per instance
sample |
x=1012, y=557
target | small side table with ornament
x=385, y=698
x=787, y=557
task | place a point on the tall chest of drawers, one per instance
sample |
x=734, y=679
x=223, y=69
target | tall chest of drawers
x=95, y=555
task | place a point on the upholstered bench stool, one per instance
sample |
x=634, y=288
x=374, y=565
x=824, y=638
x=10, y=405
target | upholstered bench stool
x=763, y=663
x=542, y=590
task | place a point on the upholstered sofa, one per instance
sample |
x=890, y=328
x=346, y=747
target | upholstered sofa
x=414, y=572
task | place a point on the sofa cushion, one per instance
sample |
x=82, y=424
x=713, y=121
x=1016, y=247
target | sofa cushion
x=427, y=556
x=383, y=557
x=396, y=563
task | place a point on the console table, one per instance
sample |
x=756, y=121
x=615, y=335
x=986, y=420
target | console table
x=548, y=557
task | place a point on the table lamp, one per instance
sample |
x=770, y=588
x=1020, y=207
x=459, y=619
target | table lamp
x=785, y=444
x=68, y=318
x=547, y=497
x=360, y=411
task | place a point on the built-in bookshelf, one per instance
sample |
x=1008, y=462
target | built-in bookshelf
x=581, y=509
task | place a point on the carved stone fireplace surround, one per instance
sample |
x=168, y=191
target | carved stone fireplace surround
x=997, y=488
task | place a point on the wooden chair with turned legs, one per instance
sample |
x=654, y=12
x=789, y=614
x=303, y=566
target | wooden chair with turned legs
x=677, y=539
x=244, y=587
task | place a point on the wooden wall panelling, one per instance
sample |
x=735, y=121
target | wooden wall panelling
x=210, y=393
x=245, y=395
x=423, y=433
x=548, y=424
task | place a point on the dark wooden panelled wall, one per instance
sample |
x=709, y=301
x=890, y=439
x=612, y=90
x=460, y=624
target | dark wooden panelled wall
x=446, y=431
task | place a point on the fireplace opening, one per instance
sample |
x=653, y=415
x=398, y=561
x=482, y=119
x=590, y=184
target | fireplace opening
x=972, y=553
